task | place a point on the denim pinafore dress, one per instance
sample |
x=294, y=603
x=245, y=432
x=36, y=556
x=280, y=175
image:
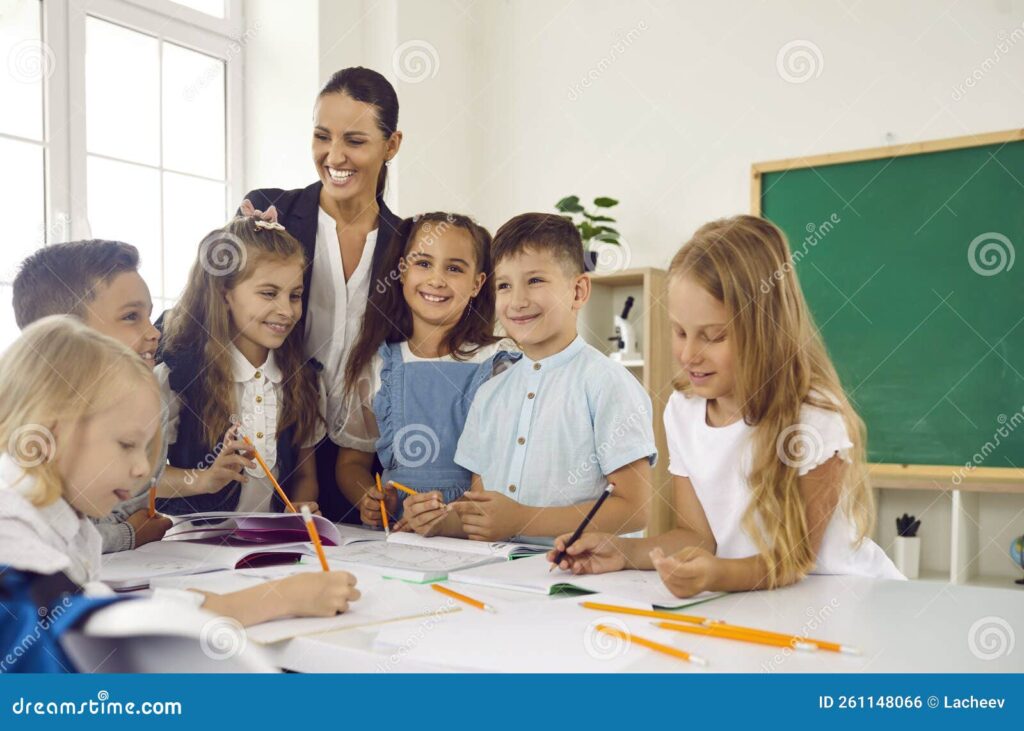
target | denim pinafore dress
x=421, y=409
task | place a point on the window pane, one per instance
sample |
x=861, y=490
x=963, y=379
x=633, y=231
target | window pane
x=122, y=92
x=192, y=208
x=27, y=63
x=23, y=196
x=124, y=205
x=8, y=327
x=193, y=106
x=210, y=7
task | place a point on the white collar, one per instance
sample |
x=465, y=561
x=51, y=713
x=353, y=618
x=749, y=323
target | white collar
x=244, y=371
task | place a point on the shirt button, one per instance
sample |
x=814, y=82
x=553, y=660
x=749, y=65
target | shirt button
x=259, y=435
x=530, y=395
x=256, y=374
x=259, y=399
x=521, y=440
x=536, y=366
x=511, y=488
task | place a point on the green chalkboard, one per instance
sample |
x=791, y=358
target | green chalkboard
x=908, y=265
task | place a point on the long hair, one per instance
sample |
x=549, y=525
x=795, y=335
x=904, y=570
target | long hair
x=781, y=364
x=201, y=323
x=62, y=371
x=388, y=318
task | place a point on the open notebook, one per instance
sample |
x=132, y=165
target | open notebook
x=249, y=528
x=129, y=570
x=414, y=557
x=532, y=575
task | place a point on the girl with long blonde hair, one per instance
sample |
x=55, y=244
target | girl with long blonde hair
x=767, y=454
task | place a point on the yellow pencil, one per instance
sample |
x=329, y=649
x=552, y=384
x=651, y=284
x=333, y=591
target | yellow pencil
x=651, y=645
x=314, y=536
x=725, y=632
x=383, y=508
x=797, y=642
x=463, y=598
x=403, y=488
x=270, y=475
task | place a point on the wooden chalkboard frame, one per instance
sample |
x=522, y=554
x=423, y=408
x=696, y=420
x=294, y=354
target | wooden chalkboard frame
x=909, y=476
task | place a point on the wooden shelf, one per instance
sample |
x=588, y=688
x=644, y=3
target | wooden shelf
x=654, y=370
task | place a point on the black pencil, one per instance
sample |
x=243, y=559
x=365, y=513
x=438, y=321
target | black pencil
x=560, y=556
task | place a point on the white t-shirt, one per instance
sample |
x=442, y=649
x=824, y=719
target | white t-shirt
x=718, y=461
x=356, y=426
x=336, y=307
x=258, y=392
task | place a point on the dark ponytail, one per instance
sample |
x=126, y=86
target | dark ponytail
x=367, y=86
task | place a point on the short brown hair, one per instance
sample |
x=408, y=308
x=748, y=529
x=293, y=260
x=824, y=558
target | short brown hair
x=542, y=232
x=61, y=279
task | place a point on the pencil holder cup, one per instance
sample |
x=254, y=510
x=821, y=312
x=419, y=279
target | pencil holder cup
x=907, y=555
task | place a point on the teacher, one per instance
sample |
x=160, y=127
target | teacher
x=346, y=230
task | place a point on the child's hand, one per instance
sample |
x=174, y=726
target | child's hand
x=424, y=512
x=369, y=506
x=489, y=516
x=313, y=507
x=230, y=465
x=593, y=553
x=148, y=529
x=319, y=593
x=688, y=572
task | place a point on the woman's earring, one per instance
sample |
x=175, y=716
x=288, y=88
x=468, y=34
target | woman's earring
x=387, y=163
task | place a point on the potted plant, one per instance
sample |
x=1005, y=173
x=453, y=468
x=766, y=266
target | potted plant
x=594, y=225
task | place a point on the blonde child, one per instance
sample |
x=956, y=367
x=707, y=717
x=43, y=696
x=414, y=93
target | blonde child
x=766, y=452
x=79, y=432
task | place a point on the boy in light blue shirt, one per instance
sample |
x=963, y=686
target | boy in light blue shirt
x=544, y=438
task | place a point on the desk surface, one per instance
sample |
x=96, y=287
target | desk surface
x=899, y=626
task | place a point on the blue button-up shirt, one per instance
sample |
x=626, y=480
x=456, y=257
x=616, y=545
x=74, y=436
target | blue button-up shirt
x=545, y=433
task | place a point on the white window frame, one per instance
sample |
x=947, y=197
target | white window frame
x=64, y=93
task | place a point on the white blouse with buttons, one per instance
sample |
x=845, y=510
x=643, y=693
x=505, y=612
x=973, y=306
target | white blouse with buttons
x=258, y=392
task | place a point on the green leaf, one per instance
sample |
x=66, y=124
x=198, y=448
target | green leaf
x=610, y=238
x=604, y=202
x=569, y=204
x=595, y=218
x=587, y=231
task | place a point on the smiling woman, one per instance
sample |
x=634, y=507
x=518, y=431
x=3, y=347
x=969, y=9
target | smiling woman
x=345, y=229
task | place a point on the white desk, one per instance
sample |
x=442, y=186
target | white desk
x=899, y=626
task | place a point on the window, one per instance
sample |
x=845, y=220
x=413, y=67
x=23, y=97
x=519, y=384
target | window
x=152, y=154
x=22, y=146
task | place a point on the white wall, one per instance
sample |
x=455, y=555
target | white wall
x=500, y=122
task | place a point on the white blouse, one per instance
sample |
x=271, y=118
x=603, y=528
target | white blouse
x=335, y=309
x=258, y=391
x=55, y=538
